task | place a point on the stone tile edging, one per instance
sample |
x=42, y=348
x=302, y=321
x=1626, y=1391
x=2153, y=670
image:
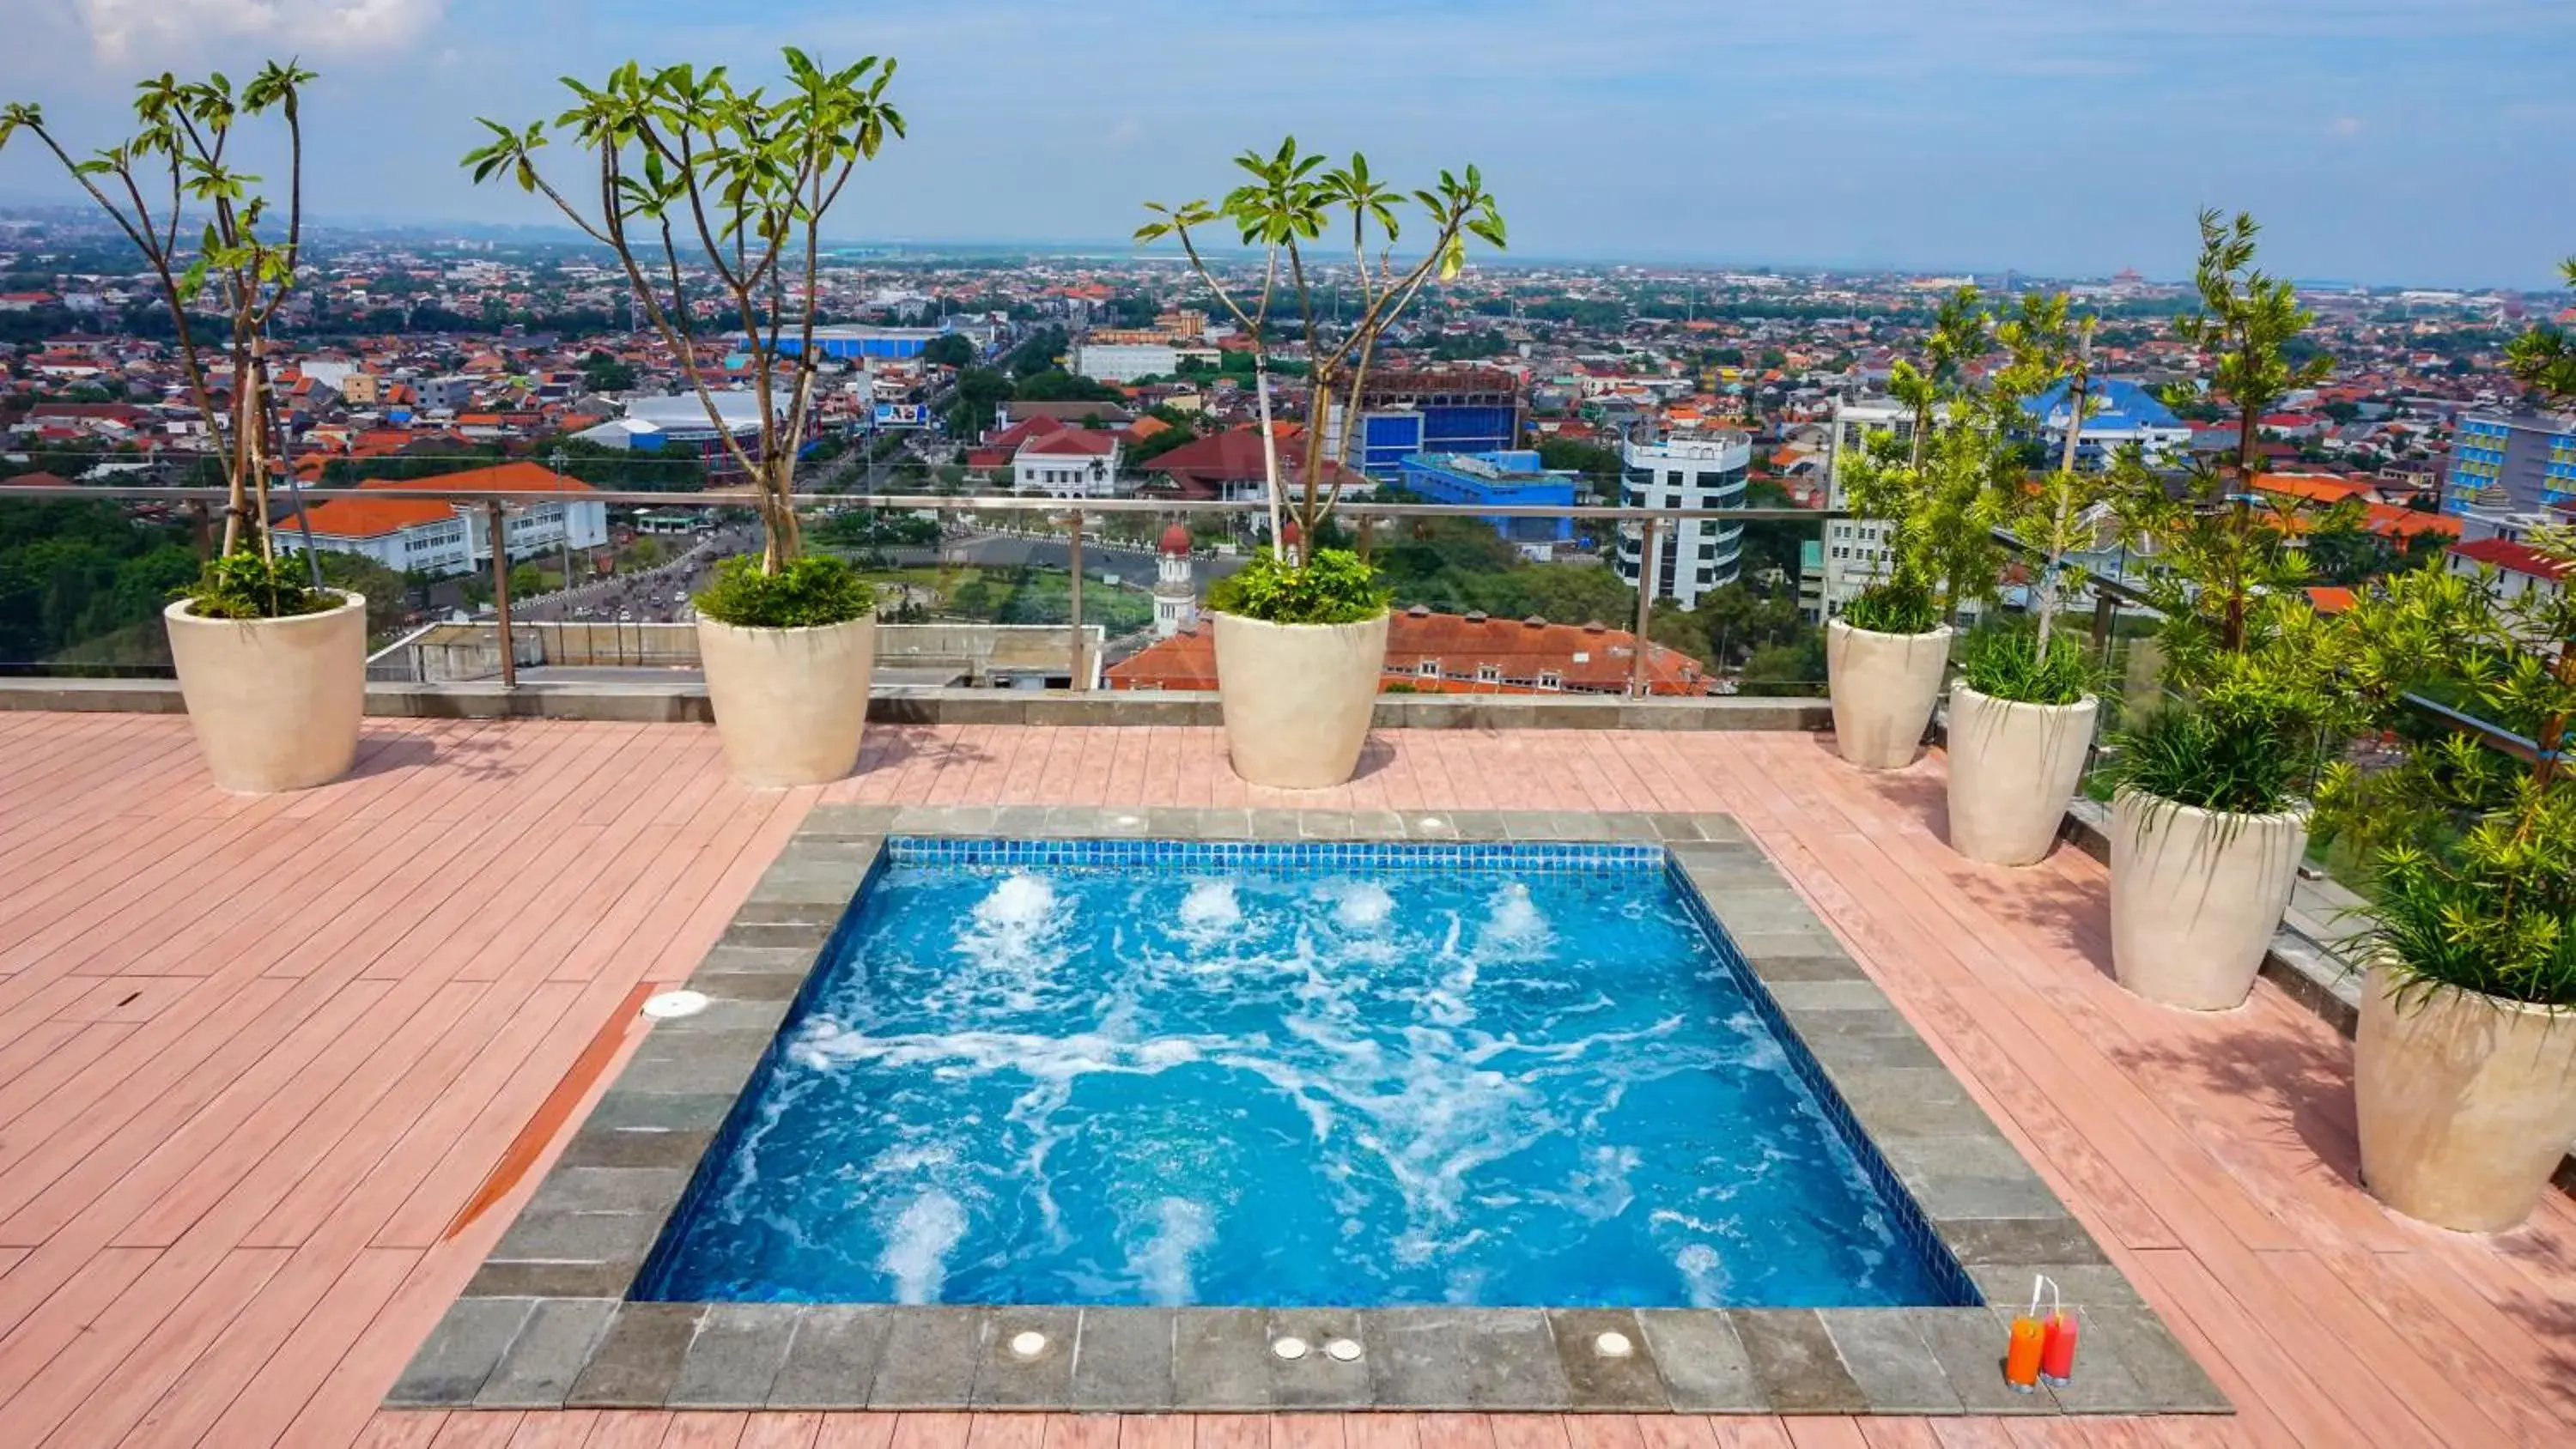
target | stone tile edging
x=546, y=1322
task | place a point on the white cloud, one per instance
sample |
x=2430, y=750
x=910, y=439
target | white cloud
x=2345, y=126
x=122, y=30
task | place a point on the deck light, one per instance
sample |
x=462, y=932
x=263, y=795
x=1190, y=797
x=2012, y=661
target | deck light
x=1290, y=1347
x=670, y=1004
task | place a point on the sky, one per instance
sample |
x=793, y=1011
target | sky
x=2422, y=142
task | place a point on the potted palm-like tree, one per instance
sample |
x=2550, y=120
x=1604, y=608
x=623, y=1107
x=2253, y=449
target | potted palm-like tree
x=2022, y=713
x=1887, y=652
x=2210, y=811
x=271, y=664
x=2465, y=1075
x=1301, y=630
x=713, y=200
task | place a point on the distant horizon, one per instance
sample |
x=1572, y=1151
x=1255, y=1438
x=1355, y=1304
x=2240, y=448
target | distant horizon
x=459, y=230
x=2386, y=141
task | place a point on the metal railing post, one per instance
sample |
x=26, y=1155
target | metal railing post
x=1081, y=678
x=1646, y=556
x=2105, y=609
x=501, y=597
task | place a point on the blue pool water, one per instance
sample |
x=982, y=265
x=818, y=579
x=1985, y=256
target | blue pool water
x=1265, y=1083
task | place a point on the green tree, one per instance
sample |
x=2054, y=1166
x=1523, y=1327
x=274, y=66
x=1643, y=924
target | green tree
x=754, y=179
x=601, y=372
x=949, y=349
x=2226, y=545
x=980, y=393
x=183, y=156
x=1057, y=385
x=1286, y=205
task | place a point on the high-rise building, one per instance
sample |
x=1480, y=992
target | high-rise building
x=1692, y=556
x=1439, y=410
x=2531, y=456
x=1854, y=553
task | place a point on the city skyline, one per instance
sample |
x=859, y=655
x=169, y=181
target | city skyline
x=2379, y=143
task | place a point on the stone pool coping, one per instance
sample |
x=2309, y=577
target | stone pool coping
x=545, y=1323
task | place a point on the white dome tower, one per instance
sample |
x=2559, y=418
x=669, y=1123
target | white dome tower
x=1176, y=600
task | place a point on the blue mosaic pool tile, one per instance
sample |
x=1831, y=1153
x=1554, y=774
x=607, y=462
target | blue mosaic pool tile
x=1907, y=1214
x=1550, y=858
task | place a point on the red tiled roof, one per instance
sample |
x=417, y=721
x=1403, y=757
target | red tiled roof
x=1072, y=442
x=375, y=517
x=2512, y=557
x=1586, y=657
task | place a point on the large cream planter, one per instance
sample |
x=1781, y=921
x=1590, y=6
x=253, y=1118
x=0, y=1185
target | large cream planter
x=2196, y=896
x=2467, y=1102
x=1884, y=687
x=790, y=704
x=2013, y=767
x=1297, y=697
x=275, y=703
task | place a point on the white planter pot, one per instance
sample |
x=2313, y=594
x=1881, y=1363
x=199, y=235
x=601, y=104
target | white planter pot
x=2195, y=897
x=2013, y=767
x=1884, y=687
x=2467, y=1102
x=790, y=704
x=275, y=702
x=1297, y=697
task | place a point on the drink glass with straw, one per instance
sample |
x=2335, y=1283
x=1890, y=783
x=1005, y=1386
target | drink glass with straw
x=2028, y=1343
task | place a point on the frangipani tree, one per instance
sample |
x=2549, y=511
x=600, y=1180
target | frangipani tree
x=215, y=247
x=713, y=199
x=1293, y=209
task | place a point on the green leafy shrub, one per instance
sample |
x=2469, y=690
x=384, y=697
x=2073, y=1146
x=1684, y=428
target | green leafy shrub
x=806, y=593
x=2006, y=663
x=1335, y=587
x=1894, y=606
x=2225, y=753
x=246, y=586
x=2469, y=852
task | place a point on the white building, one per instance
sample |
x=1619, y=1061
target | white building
x=1855, y=551
x=678, y=425
x=1692, y=556
x=438, y=537
x=1126, y=361
x=1067, y=463
x=1176, y=597
x=451, y=394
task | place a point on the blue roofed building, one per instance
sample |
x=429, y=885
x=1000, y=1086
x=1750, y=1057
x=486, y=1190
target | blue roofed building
x=1507, y=477
x=856, y=343
x=2117, y=413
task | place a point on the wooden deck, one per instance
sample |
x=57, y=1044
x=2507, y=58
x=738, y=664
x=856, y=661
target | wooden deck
x=275, y=1073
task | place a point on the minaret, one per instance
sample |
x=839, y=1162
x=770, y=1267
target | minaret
x=1176, y=600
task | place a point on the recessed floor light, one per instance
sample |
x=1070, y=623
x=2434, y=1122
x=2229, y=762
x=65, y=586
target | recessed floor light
x=1613, y=1345
x=1290, y=1347
x=1028, y=1344
x=1344, y=1349
x=670, y=1004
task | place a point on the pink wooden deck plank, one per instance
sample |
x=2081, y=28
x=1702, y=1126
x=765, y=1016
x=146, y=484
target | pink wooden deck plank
x=194, y=1262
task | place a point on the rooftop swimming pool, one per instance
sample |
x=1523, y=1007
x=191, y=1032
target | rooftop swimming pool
x=1146, y=1072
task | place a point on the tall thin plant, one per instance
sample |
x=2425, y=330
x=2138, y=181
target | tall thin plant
x=2224, y=538
x=1285, y=209
x=2047, y=347
x=209, y=236
x=713, y=199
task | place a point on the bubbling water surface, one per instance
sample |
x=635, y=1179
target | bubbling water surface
x=1282, y=1086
